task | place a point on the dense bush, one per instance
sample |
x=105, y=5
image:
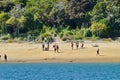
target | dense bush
x=6, y=37
x=73, y=19
x=99, y=29
x=87, y=33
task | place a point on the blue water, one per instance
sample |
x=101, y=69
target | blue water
x=60, y=71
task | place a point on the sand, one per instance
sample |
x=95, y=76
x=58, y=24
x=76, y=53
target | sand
x=30, y=52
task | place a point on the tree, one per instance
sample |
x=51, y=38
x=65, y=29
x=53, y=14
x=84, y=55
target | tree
x=107, y=11
x=50, y=12
x=40, y=9
x=3, y=17
x=114, y=9
x=6, y=5
x=76, y=11
x=99, y=29
x=14, y=23
x=17, y=19
x=99, y=12
x=22, y=2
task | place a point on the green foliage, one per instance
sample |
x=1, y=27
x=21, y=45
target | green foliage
x=94, y=38
x=104, y=21
x=6, y=37
x=3, y=16
x=76, y=11
x=65, y=33
x=6, y=6
x=98, y=12
x=99, y=29
x=12, y=21
x=22, y=19
x=46, y=36
x=107, y=12
x=47, y=32
x=22, y=2
x=44, y=18
x=78, y=33
x=87, y=33
x=47, y=29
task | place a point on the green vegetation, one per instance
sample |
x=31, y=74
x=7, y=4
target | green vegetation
x=68, y=19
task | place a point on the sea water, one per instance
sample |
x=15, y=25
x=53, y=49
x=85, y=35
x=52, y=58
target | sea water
x=60, y=71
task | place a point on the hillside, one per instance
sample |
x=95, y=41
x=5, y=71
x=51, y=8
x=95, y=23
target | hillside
x=68, y=19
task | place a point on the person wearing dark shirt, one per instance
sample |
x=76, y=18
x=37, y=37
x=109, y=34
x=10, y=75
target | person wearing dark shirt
x=72, y=45
x=5, y=57
x=82, y=45
x=57, y=48
x=43, y=46
x=98, y=51
x=77, y=44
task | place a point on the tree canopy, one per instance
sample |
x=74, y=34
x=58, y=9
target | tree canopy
x=23, y=17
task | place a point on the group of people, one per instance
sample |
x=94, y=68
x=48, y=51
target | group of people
x=45, y=46
x=56, y=48
x=5, y=57
x=82, y=45
x=77, y=45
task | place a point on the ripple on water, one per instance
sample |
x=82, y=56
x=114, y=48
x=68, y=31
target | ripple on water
x=61, y=71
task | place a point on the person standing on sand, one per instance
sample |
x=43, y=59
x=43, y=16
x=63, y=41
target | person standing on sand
x=43, y=46
x=98, y=51
x=72, y=45
x=5, y=57
x=77, y=44
x=82, y=45
x=54, y=46
x=0, y=56
x=48, y=45
x=57, y=48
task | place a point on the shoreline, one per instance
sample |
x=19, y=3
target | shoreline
x=105, y=60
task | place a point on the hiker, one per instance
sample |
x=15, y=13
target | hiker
x=54, y=46
x=43, y=46
x=82, y=45
x=5, y=57
x=98, y=51
x=72, y=45
x=77, y=44
x=57, y=48
x=48, y=45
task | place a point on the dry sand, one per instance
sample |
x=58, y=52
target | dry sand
x=32, y=53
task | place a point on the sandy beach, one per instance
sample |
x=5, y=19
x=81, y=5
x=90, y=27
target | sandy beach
x=33, y=53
